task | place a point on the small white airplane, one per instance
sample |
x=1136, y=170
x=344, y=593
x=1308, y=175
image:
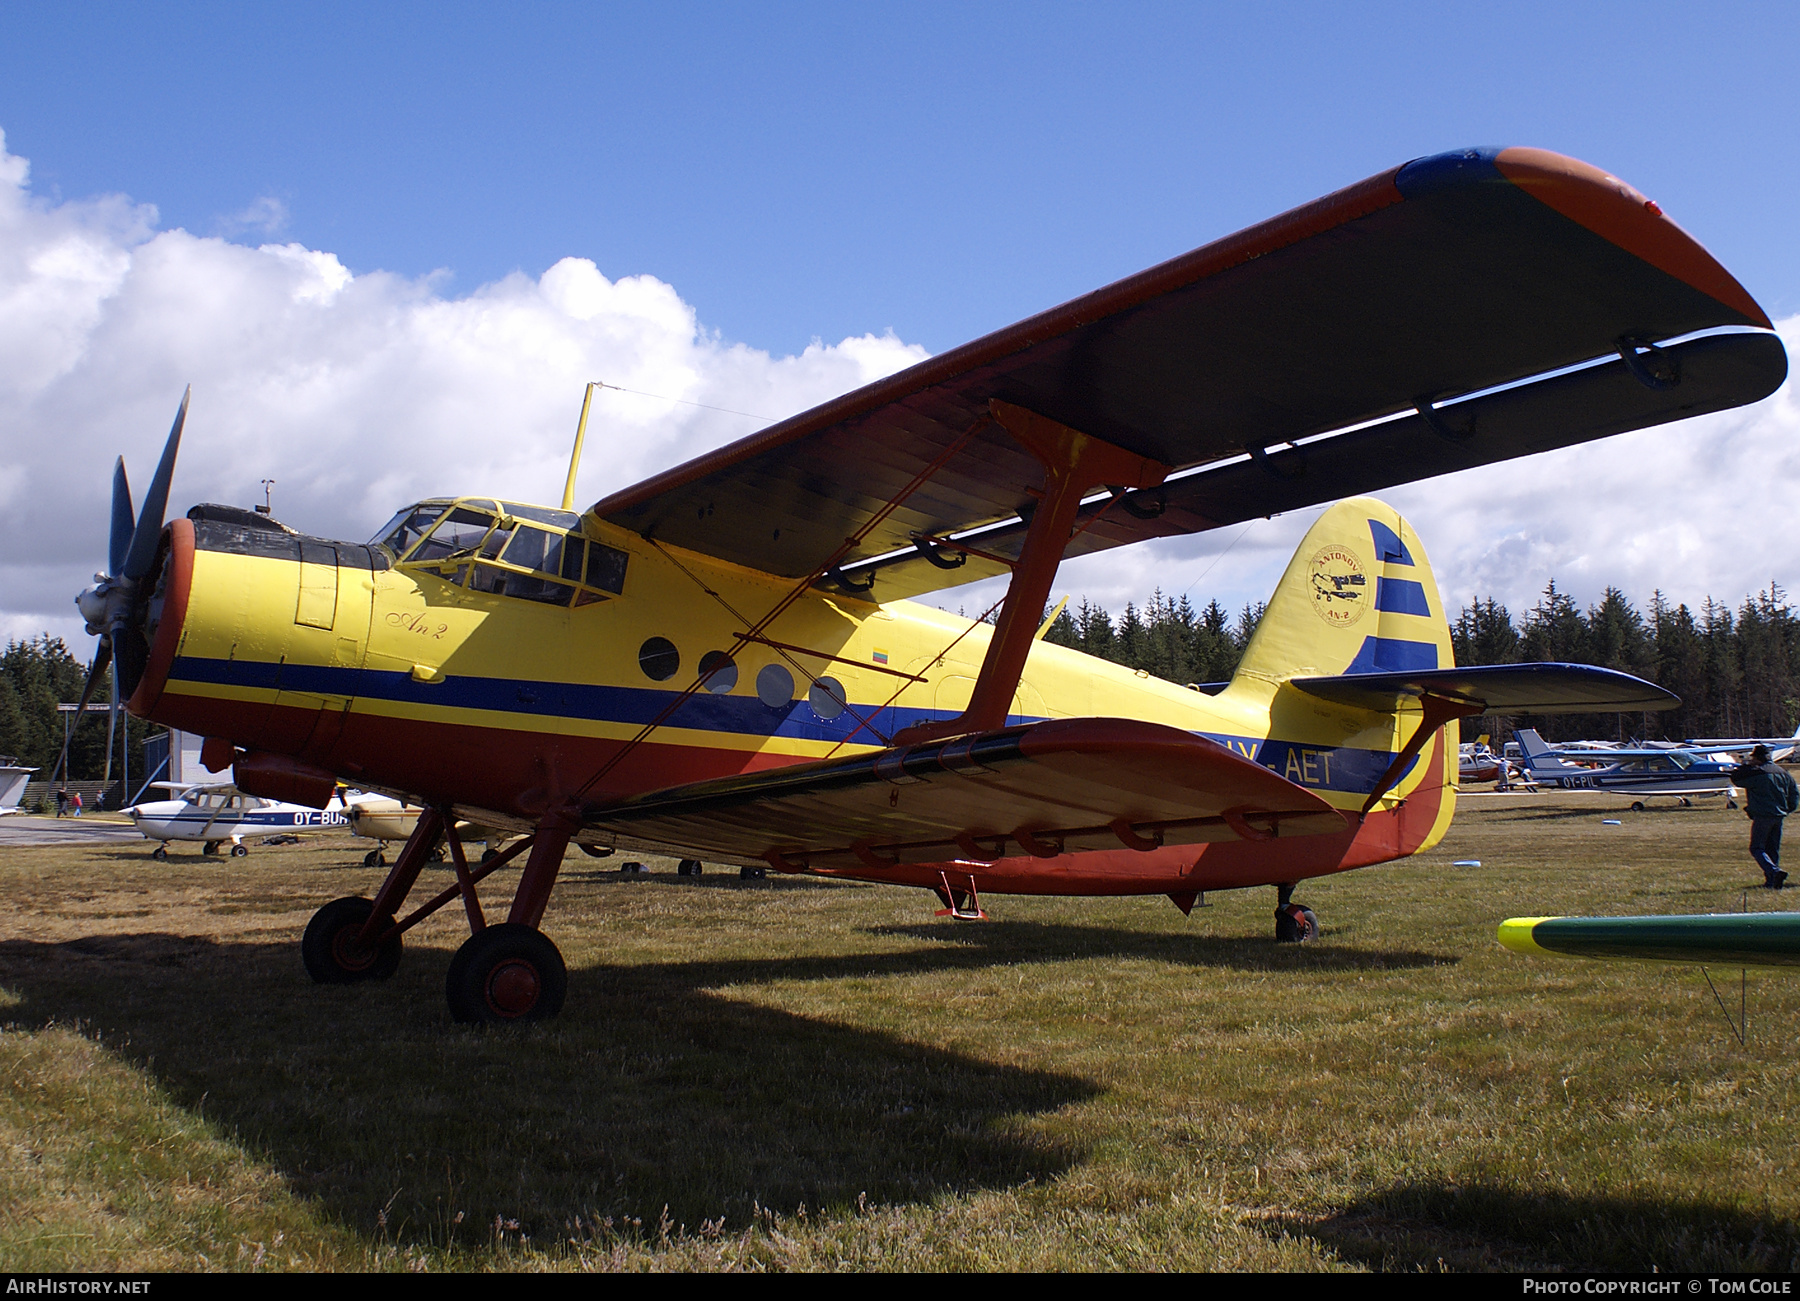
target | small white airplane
x=1680, y=771
x=219, y=812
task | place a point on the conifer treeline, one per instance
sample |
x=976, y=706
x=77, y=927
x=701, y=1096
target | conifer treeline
x=34, y=676
x=1737, y=673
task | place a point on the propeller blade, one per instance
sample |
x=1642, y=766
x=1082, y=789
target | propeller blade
x=149, y=524
x=123, y=521
x=102, y=657
x=112, y=731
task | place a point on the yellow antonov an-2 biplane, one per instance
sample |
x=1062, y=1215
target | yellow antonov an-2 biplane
x=720, y=662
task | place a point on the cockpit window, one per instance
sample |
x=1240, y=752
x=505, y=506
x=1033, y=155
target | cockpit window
x=406, y=528
x=529, y=552
x=458, y=533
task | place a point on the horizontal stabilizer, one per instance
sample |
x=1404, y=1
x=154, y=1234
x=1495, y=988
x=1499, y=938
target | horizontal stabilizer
x=1062, y=786
x=1737, y=939
x=1500, y=689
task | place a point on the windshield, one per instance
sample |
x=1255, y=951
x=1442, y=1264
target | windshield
x=406, y=528
x=459, y=532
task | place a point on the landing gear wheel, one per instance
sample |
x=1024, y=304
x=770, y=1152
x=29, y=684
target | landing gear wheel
x=160, y=853
x=489, y=854
x=1637, y=806
x=596, y=851
x=752, y=873
x=1686, y=803
x=689, y=867
x=374, y=858
x=435, y=856
x=508, y=972
x=1295, y=924
x=332, y=951
x=210, y=847
x=240, y=851
x=1731, y=804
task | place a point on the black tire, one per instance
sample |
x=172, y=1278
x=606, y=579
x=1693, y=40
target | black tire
x=752, y=873
x=596, y=851
x=507, y=973
x=210, y=847
x=160, y=853
x=1295, y=924
x=690, y=867
x=240, y=851
x=1731, y=804
x=435, y=856
x=372, y=858
x=1686, y=803
x=489, y=853
x=331, y=953
x=1637, y=806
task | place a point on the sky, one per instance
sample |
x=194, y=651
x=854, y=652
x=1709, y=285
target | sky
x=388, y=245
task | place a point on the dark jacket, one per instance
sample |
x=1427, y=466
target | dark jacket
x=1769, y=792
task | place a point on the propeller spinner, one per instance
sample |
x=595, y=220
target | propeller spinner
x=108, y=604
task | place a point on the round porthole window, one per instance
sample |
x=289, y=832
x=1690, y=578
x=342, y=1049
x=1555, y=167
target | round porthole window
x=659, y=659
x=775, y=686
x=718, y=672
x=826, y=696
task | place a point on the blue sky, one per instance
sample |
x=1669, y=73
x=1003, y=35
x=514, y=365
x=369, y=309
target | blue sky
x=820, y=170
x=747, y=180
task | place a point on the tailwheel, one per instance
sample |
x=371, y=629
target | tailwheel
x=160, y=853
x=508, y=972
x=1295, y=924
x=332, y=947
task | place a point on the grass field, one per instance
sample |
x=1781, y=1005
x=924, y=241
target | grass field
x=800, y=1074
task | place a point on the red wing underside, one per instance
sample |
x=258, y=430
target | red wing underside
x=1063, y=786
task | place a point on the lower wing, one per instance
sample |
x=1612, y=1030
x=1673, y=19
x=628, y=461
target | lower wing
x=1062, y=786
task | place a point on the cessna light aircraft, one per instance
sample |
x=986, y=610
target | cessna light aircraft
x=1624, y=770
x=721, y=662
x=214, y=813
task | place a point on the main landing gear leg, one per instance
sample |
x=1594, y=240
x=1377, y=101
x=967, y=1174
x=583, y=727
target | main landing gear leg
x=512, y=972
x=343, y=943
x=1294, y=922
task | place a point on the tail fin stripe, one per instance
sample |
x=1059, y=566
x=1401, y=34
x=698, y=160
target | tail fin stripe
x=1388, y=544
x=1390, y=655
x=1401, y=596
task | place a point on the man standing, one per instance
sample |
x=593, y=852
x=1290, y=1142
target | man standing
x=1769, y=796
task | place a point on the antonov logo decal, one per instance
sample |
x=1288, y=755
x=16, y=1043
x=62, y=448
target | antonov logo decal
x=1340, y=591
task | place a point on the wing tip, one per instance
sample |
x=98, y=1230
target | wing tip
x=1515, y=934
x=1590, y=197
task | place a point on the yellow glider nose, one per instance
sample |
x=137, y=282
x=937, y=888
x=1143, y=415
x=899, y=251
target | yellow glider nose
x=1515, y=934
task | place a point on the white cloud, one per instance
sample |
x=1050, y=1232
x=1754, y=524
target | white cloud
x=357, y=394
x=267, y=216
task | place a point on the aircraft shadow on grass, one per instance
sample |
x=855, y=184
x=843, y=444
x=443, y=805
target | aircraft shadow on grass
x=1475, y=1226
x=650, y=1090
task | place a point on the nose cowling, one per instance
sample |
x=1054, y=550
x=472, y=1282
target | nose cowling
x=149, y=639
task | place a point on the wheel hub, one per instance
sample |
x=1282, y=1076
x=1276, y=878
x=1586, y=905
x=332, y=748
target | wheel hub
x=349, y=950
x=513, y=988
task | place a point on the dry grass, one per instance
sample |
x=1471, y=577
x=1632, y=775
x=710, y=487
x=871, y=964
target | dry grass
x=798, y=1074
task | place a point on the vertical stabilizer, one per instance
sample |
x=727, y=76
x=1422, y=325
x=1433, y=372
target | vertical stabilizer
x=1358, y=597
